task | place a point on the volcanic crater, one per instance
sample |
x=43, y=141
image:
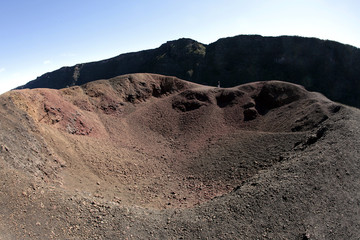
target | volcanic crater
x=157, y=143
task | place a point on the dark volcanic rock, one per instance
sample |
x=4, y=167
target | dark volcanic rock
x=323, y=66
x=250, y=114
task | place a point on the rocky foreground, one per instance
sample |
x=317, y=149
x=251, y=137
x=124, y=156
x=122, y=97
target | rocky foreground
x=147, y=156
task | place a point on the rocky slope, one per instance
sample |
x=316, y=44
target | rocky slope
x=146, y=156
x=323, y=66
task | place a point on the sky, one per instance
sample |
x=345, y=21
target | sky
x=39, y=36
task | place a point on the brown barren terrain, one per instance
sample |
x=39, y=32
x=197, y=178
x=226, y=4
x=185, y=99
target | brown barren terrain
x=147, y=156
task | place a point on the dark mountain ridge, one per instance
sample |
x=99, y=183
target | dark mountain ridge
x=325, y=66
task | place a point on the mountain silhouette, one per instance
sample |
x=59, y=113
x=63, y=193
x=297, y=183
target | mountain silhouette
x=324, y=66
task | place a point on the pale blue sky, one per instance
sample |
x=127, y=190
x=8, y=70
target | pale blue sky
x=38, y=36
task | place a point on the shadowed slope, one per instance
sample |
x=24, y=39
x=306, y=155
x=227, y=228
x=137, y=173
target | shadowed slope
x=103, y=158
